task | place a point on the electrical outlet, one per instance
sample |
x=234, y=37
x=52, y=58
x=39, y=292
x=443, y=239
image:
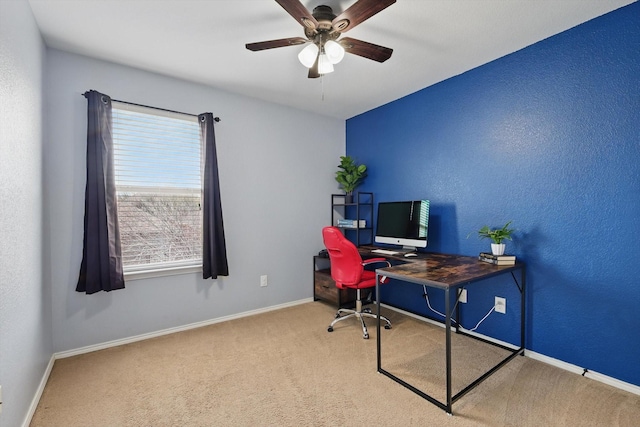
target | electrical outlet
x=463, y=296
x=263, y=280
x=501, y=305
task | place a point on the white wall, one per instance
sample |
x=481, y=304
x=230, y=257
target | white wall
x=276, y=176
x=25, y=304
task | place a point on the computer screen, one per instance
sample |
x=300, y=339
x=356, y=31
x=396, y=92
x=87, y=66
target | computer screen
x=403, y=223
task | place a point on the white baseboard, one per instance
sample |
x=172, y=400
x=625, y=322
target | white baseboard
x=631, y=388
x=605, y=379
x=39, y=391
x=142, y=337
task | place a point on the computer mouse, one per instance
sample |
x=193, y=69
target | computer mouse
x=410, y=254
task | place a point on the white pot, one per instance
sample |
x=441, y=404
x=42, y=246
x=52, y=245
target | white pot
x=497, y=248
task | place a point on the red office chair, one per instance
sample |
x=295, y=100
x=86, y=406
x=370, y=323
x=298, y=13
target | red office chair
x=347, y=270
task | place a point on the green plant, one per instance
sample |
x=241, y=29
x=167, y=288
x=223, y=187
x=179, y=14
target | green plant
x=349, y=174
x=497, y=235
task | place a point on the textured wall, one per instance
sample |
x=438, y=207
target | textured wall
x=549, y=137
x=25, y=304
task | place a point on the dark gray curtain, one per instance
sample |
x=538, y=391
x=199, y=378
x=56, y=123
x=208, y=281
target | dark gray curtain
x=101, y=268
x=214, y=252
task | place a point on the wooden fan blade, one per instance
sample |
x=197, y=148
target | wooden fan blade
x=299, y=13
x=270, y=44
x=313, y=71
x=366, y=49
x=360, y=11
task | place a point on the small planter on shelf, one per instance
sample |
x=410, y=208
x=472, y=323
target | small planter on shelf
x=348, y=197
x=349, y=176
x=498, y=248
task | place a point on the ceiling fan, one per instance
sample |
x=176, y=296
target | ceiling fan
x=322, y=29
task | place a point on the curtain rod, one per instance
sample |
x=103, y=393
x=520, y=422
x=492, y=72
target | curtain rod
x=216, y=119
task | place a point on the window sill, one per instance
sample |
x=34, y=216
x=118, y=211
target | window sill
x=161, y=272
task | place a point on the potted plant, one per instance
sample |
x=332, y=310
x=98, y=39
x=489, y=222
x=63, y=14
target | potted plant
x=497, y=236
x=350, y=175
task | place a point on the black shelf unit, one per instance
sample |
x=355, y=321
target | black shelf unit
x=359, y=208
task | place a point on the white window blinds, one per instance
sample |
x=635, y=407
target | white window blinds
x=157, y=158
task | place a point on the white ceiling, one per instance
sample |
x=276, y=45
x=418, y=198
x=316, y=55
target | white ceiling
x=204, y=41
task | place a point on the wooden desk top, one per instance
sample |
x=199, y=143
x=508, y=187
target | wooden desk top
x=441, y=270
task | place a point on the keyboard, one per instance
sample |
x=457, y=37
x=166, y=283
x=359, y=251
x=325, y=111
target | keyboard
x=384, y=252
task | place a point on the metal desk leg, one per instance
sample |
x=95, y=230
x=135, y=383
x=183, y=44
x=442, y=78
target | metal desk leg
x=447, y=303
x=378, y=322
x=522, y=308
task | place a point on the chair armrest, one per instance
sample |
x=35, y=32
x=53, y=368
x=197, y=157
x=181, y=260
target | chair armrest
x=376, y=260
x=383, y=279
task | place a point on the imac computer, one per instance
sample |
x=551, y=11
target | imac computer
x=403, y=223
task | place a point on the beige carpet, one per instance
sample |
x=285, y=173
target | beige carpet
x=284, y=369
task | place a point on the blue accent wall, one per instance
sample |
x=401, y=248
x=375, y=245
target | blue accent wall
x=549, y=137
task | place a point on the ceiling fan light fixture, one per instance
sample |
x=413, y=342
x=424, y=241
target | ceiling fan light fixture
x=323, y=28
x=308, y=55
x=334, y=51
x=324, y=64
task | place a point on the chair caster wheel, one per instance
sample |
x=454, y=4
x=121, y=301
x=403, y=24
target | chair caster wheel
x=329, y=329
x=365, y=336
x=387, y=326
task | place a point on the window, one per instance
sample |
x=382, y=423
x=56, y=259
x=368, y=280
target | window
x=157, y=157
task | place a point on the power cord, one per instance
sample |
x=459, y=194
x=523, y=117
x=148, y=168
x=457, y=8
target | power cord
x=481, y=320
x=426, y=298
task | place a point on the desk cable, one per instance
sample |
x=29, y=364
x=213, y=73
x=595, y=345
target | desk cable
x=426, y=298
